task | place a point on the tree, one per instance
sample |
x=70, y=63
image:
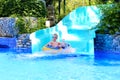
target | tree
x=22, y=8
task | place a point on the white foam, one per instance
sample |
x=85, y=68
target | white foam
x=68, y=50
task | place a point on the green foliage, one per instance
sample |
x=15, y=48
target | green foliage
x=20, y=9
x=32, y=8
x=25, y=24
x=20, y=25
x=110, y=22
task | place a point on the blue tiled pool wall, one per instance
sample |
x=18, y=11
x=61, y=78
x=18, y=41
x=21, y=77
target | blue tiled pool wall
x=106, y=55
x=107, y=47
x=15, y=50
x=23, y=41
x=107, y=42
x=20, y=44
x=7, y=42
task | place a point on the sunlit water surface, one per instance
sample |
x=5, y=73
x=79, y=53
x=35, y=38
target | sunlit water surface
x=56, y=67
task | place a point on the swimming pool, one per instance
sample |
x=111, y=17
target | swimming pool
x=25, y=66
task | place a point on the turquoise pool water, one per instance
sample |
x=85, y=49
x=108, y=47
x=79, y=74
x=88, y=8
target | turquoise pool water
x=25, y=66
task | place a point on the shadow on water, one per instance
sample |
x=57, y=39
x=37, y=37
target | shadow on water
x=106, y=62
x=4, y=46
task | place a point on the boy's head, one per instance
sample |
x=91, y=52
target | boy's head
x=55, y=36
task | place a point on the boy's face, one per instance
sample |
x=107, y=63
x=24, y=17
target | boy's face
x=54, y=37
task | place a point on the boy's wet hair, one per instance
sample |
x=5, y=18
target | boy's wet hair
x=55, y=35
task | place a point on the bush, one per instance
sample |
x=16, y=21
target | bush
x=29, y=25
x=110, y=21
